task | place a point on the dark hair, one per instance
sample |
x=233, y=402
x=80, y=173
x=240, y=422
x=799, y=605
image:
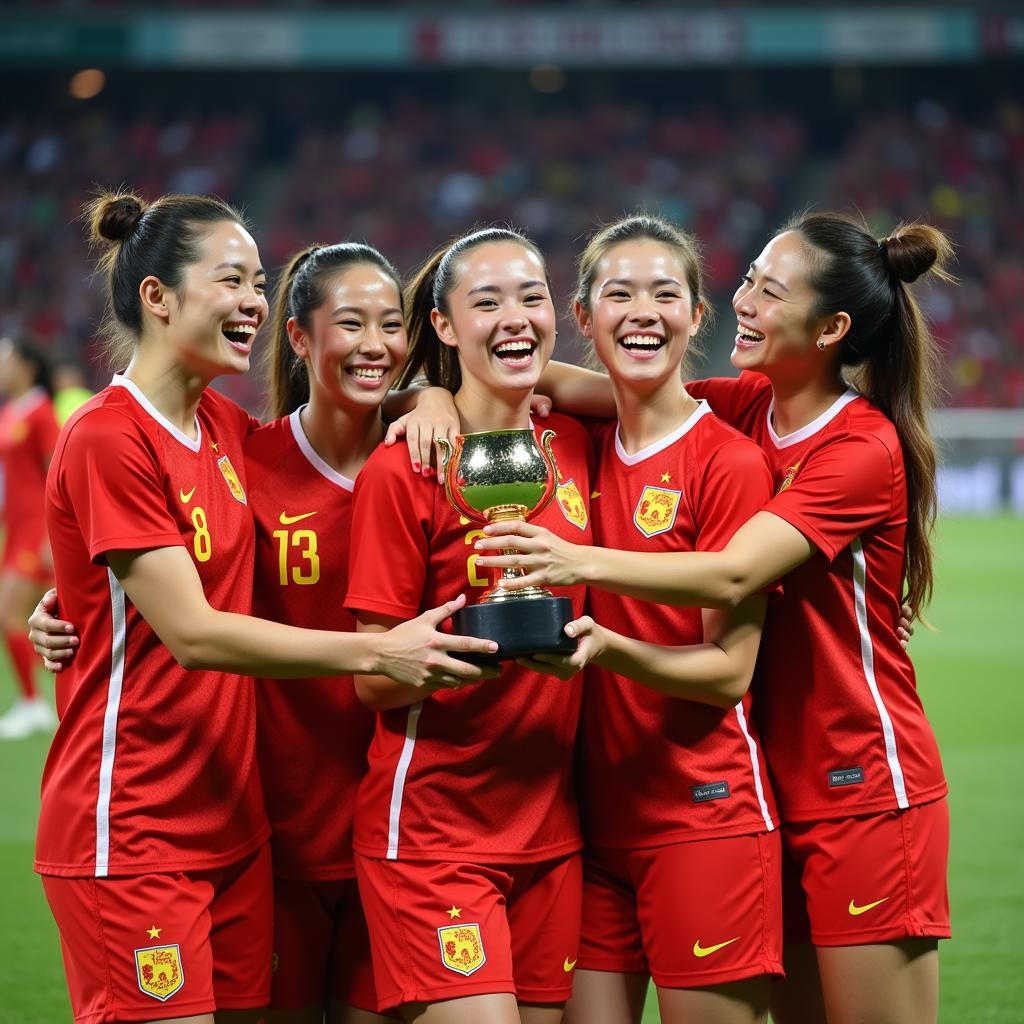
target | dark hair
x=301, y=289
x=141, y=239
x=29, y=351
x=645, y=227
x=429, y=289
x=889, y=348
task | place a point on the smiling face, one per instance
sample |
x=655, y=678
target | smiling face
x=355, y=342
x=641, y=315
x=500, y=317
x=213, y=317
x=774, y=302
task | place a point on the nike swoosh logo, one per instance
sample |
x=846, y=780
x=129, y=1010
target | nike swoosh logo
x=288, y=520
x=568, y=965
x=857, y=911
x=699, y=950
x=186, y=496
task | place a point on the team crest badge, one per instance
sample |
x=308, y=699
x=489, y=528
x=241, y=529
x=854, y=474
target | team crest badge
x=159, y=971
x=234, y=484
x=790, y=476
x=656, y=510
x=462, y=948
x=571, y=502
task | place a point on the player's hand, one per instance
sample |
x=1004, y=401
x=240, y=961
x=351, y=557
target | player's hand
x=905, y=629
x=416, y=653
x=548, y=560
x=54, y=640
x=541, y=406
x=593, y=641
x=434, y=416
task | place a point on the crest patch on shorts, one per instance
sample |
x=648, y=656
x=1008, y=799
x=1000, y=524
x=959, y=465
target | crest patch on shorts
x=462, y=948
x=159, y=971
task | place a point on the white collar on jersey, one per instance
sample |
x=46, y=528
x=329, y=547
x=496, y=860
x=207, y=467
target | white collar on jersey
x=120, y=381
x=815, y=425
x=295, y=421
x=667, y=441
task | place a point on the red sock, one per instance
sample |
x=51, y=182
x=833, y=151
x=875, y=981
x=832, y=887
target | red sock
x=23, y=658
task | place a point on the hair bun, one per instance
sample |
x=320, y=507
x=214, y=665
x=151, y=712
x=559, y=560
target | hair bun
x=115, y=216
x=914, y=249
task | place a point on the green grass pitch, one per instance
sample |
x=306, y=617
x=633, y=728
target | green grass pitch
x=971, y=674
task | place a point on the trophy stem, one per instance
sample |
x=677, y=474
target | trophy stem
x=506, y=513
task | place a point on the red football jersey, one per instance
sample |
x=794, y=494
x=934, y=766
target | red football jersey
x=153, y=768
x=28, y=434
x=836, y=698
x=484, y=772
x=313, y=734
x=657, y=769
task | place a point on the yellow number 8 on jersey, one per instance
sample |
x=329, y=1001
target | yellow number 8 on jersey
x=202, y=543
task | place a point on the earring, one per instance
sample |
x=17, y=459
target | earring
x=821, y=344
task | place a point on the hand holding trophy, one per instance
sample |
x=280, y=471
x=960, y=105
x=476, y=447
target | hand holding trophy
x=491, y=477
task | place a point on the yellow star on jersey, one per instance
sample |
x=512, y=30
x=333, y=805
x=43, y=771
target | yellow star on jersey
x=455, y=912
x=154, y=932
x=595, y=494
x=666, y=477
x=215, y=446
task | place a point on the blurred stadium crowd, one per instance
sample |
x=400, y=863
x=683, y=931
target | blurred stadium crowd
x=386, y=174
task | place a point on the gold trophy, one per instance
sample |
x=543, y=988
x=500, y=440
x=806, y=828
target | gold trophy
x=496, y=476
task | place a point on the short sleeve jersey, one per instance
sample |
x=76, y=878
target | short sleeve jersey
x=153, y=768
x=484, y=772
x=28, y=434
x=836, y=697
x=657, y=769
x=313, y=734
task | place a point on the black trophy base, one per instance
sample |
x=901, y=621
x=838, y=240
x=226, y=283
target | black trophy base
x=521, y=628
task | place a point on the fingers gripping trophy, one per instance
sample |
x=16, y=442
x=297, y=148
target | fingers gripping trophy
x=495, y=476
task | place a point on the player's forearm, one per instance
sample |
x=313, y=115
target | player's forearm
x=380, y=693
x=694, y=579
x=248, y=646
x=576, y=390
x=761, y=551
x=702, y=672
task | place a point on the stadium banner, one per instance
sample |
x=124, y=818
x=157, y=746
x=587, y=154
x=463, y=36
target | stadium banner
x=640, y=38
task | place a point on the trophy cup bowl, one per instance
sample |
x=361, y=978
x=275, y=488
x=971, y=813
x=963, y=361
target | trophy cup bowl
x=496, y=476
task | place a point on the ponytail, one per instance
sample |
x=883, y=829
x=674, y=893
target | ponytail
x=289, y=381
x=889, y=348
x=429, y=357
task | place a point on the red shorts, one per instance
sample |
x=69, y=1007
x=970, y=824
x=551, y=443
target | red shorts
x=26, y=560
x=859, y=881
x=445, y=930
x=155, y=946
x=321, y=946
x=690, y=914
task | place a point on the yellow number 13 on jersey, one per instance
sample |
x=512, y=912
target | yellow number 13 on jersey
x=305, y=540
